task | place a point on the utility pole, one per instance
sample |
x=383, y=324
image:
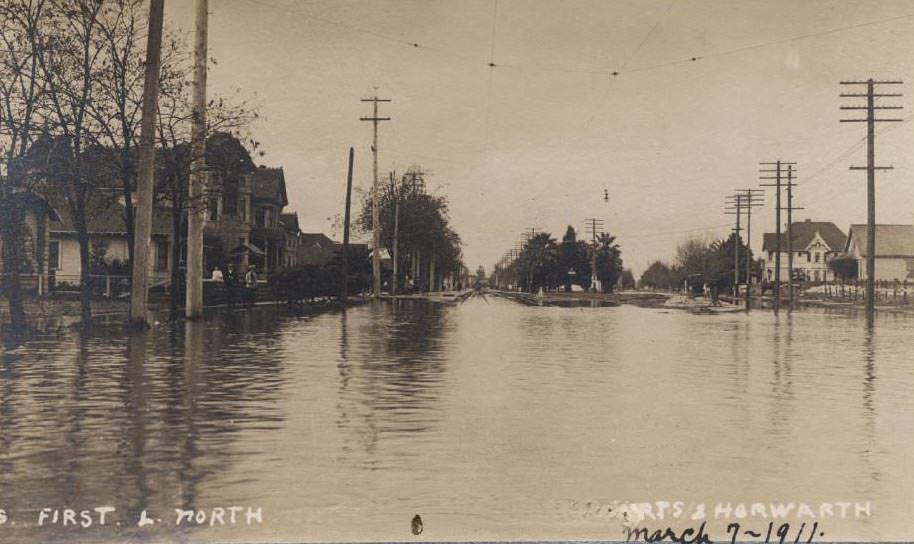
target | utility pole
x=528, y=237
x=871, y=168
x=780, y=168
x=375, y=209
x=345, y=293
x=738, y=212
x=751, y=198
x=139, y=286
x=790, y=209
x=416, y=180
x=595, y=226
x=193, y=306
x=396, y=259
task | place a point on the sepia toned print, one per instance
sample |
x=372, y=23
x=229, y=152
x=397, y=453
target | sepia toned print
x=478, y=270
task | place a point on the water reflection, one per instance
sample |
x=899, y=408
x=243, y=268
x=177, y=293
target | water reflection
x=138, y=421
x=348, y=423
x=868, y=404
x=782, y=380
x=391, y=377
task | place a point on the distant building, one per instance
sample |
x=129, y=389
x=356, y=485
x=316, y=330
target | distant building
x=289, y=223
x=814, y=245
x=894, y=251
x=316, y=249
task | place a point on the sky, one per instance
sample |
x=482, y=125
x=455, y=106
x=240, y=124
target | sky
x=667, y=105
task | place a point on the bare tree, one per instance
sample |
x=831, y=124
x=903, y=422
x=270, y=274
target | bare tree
x=21, y=92
x=70, y=57
x=117, y=99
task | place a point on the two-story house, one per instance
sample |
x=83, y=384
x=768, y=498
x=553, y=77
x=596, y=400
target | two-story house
x=227, y=222
x=814, y=245
x=242, y=222
x=268, y=198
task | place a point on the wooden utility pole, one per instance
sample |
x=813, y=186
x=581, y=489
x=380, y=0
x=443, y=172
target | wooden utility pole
x=790, y=209
x=194, y=280
x=871, y=168
x=595, y=226
x=345, y=293
x=375, y=208
x=527, y=237
x=778, y=171
x=139, y=287
x=395, y=194
x=751, y=198
x=738, y=212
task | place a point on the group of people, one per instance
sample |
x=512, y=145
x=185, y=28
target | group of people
x=230, y=279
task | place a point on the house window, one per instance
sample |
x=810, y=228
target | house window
x=818, y=257
x=54, y=255
x=161, y=256
x=230, y=203
x=242, y=209
x=212, y=206
x=264, y=217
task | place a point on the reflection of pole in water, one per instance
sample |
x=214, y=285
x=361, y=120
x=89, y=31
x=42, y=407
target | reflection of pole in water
x=345, y=369
x=193, y=354
x=781, y=384
x=868, y=405
x=134, y=403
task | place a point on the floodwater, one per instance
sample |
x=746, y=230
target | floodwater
x=489, y=419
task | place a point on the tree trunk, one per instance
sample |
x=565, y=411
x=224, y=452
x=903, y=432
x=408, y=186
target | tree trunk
x=11, y=235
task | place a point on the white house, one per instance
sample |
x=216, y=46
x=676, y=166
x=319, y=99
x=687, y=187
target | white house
x=894, y=251
x=814, y=245
x=108, y=240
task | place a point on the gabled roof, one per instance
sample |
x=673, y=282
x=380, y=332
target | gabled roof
x=289, y=221
x=269, y=184
x=804, y=232
x=315, y=239
x=105, y=215
x=891, y=240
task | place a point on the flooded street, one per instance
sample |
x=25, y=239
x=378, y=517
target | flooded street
x=490, y=419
